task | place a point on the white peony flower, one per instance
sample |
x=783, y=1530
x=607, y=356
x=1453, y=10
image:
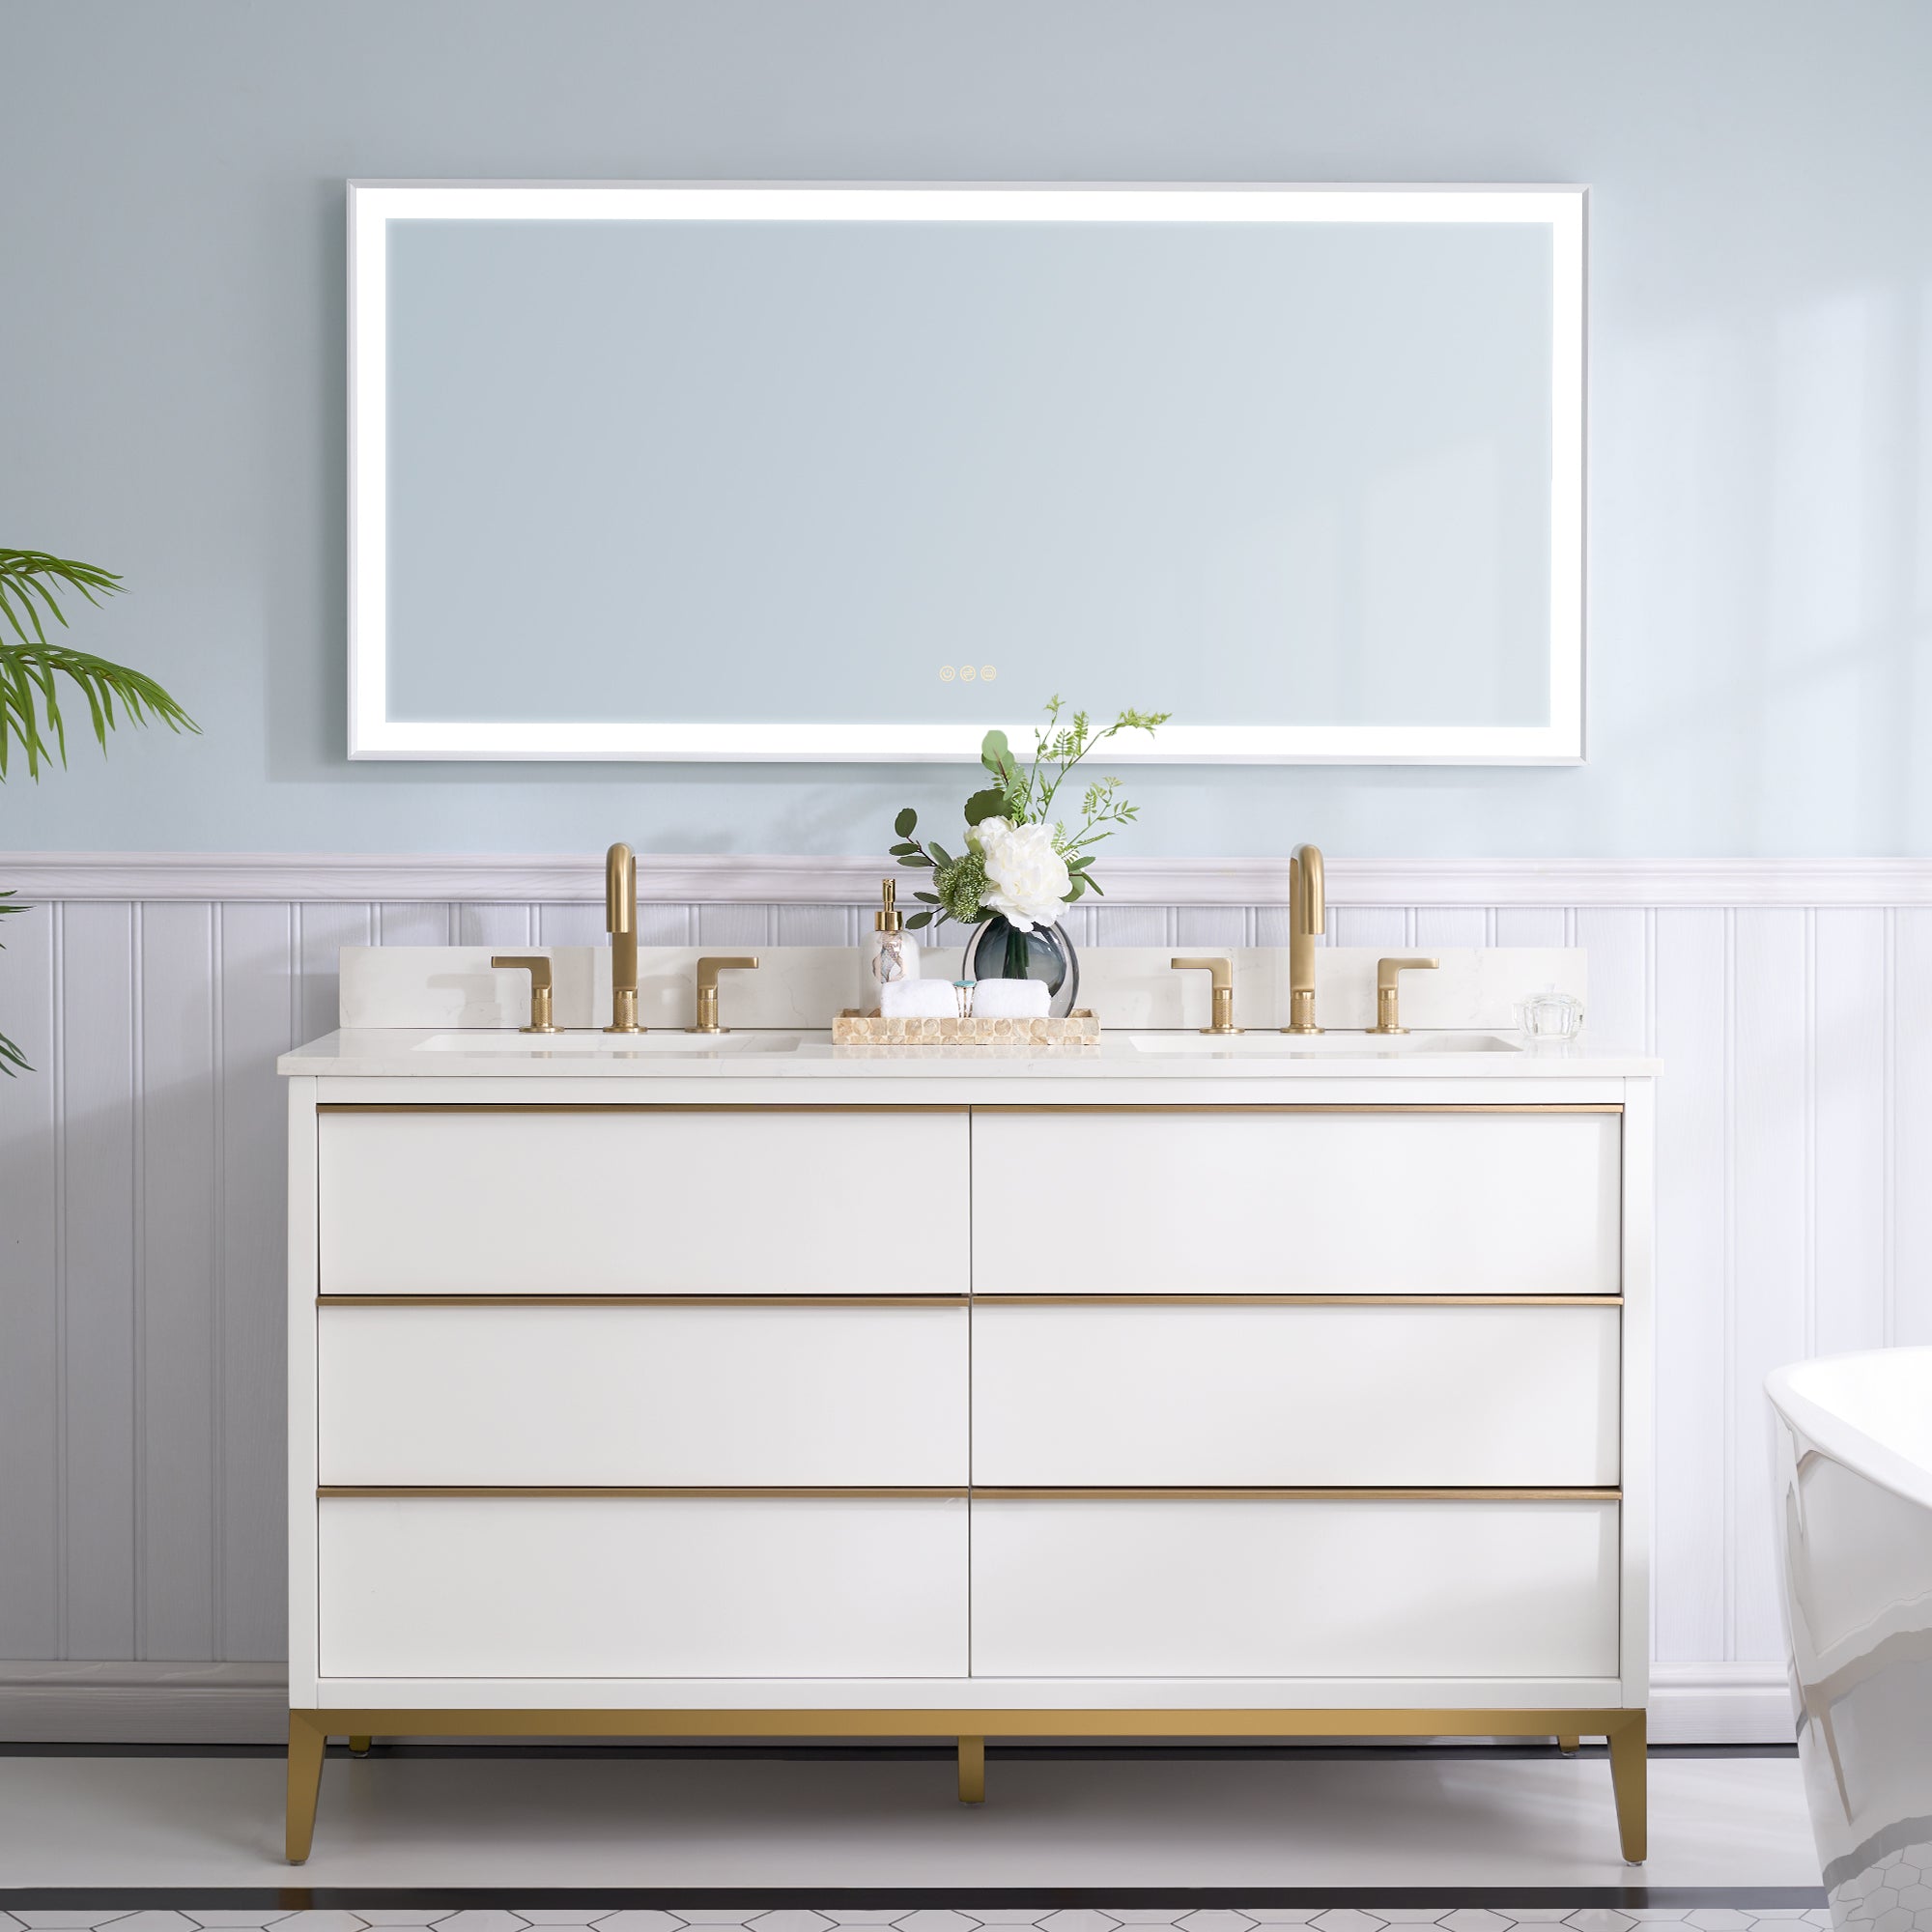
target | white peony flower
x=1025, y=878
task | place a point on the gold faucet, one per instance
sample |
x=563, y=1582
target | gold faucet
x=1223, y=984
x=620, y=921
x=1387, y=1018
x=1307, y=915
x=538, y=966
x=709, y=971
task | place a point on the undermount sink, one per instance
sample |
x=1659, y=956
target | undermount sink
x=1322, y=1045
x=609, y=1046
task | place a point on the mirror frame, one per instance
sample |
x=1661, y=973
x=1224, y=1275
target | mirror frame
x=373, y=205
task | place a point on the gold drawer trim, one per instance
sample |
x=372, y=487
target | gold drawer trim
x=1299, y=1300
x=1286, y=1494
x=1308, y=1107
x=635, y=1106
x=642, y=1300
x=331, y=1491
x=968, y=1107
x=328, y=1490
x=1157, y=1300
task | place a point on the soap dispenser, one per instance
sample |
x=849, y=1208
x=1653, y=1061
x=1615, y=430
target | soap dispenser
x=892, y=952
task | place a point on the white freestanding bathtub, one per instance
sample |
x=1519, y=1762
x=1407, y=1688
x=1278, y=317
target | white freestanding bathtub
x=1853, y=1447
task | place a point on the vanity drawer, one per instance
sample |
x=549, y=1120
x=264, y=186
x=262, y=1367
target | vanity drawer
x=651, y=1396
x=1213, y=1393
x=1294, y=1587
x=1301, y=1200
x=646, y=1200
x=643, y=1586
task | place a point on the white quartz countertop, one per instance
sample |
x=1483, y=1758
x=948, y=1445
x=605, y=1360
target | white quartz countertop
x=405, y=1053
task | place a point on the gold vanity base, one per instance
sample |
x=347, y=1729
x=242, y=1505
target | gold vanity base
x=1622, y=1730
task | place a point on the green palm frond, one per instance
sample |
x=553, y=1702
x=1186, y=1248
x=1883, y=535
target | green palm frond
x=32, y=669
x=31, y=665
x=10, y=1055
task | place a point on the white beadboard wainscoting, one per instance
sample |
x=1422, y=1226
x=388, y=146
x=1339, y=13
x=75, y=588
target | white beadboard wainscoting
x=141, y=1563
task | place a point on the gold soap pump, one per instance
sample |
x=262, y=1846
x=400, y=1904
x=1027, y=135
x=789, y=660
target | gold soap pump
x=892, y=952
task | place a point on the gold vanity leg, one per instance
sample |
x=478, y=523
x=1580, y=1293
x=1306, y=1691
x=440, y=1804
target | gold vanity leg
x=1629, y=1762
x=972, y=1770
x=359, y=1747
x=307, y=1739
x=1569, y=1747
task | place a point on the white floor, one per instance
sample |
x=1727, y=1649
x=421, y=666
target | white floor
x=709, y=1825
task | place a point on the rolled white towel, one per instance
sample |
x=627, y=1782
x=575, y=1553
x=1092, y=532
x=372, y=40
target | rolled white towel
x=918, y=999
x=1011, y=1000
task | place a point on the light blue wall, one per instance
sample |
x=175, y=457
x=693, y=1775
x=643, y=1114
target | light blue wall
x=171, y=356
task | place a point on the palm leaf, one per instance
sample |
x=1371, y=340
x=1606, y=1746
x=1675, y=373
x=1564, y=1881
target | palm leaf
x=10, y=1055
x=32, y=668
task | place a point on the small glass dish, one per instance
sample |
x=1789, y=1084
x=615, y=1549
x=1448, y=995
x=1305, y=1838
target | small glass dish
x=1549, y=1015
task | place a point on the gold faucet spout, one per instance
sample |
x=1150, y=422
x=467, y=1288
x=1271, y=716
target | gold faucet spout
x=620, y=921
x=1307, y=916
x=1314, y=907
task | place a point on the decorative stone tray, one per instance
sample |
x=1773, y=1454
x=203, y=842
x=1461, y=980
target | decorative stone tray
x=852, y=1027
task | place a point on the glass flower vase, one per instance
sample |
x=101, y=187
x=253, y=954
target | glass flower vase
x=999, y=951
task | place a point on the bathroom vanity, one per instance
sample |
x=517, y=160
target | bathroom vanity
x=1173, y=1386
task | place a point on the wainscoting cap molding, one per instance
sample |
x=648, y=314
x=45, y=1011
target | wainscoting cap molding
x=734, y=878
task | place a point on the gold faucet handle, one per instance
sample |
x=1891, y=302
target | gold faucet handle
x=1222, y=983
x=1387, y=1017
x=537, y=966
x=709, y=971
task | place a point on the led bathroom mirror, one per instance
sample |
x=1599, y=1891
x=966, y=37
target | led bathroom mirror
x=855, y=472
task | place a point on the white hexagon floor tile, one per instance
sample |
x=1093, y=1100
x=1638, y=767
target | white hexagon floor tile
x=1473, y=1918
x=1079, y=1918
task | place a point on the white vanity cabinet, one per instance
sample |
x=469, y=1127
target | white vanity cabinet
x=967, y=1399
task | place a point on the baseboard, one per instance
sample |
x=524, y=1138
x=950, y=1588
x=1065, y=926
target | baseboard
x=248, y=1703
x=750, y=878
x=144, y=1703
x=1720, y=1704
